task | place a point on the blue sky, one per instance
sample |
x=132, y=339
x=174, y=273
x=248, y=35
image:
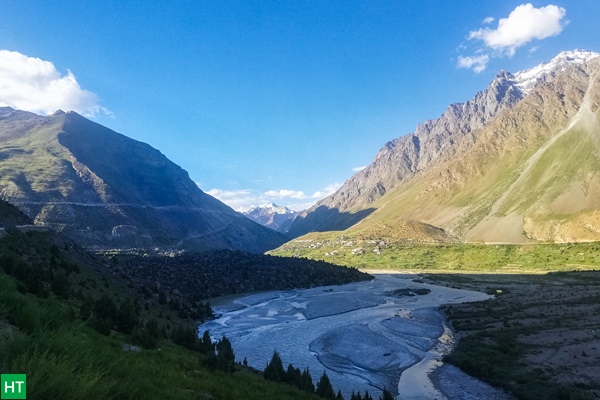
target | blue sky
x=273, y=100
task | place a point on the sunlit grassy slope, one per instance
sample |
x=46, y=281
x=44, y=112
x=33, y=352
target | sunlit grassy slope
x=374, y=253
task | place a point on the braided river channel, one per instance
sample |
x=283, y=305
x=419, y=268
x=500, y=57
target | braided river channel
x=366, y=336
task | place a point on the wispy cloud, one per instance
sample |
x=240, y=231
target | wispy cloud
x=524, y=24
x=239, y=200
x=358, y=169
x=477, y=63
x=284, y=193
x=327, y=190
x=32, y=84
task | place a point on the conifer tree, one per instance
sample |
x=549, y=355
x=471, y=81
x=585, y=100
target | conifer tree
x=355, y=396
x=324, y=388
x=386, y=395
x=306, y=382
x=225, y=355
x=206, y=344
x=293, y=376
x=274, y=370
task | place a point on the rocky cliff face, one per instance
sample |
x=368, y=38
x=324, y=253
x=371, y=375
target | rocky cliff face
x=106, y=190
x=451, y=151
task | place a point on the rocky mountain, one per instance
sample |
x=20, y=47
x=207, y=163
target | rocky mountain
x=106, y=190
x=278, y=218
x=516, y=163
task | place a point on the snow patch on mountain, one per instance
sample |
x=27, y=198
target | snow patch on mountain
x=271, y=215
x=527, y=79
x=271, y=208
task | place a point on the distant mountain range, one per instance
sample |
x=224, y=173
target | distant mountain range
x=519, y=162
x=106, y=190
x=278, y=218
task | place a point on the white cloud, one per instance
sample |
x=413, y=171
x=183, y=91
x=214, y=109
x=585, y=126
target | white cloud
x=32, y=84
x=243, y=199
x=477, y=63
x=328, y=190
x=228, y=194
x=283, y=193
x=524, y=24
x=239, y=200
x=358, y=169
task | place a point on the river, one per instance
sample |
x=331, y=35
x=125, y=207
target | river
x=366, y=336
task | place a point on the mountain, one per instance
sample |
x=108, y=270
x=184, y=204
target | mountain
x=516, y=163
x=10, y=216
x=106, y=190
x=278, y=218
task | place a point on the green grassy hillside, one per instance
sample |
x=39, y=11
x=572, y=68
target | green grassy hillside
x=356, y=250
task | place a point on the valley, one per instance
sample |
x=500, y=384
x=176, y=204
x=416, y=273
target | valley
x=481, y=230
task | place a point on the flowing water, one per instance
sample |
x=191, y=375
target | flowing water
x=365, y=336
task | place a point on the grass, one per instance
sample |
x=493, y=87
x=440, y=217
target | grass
x=568, y=160
x=338, y=248
x=75, y=362
x=43, y=336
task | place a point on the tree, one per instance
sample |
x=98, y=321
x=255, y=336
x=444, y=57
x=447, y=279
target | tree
x=293, y=376
x=104, y=312
x=225, y=355
x=61, y=286
x=386, y=395
x=127, y=317
x=306, y=382
x=206, y=344
x=184, y=336
x=324, y=388
x=274, y=370
x=339, y=396
x=105, y=307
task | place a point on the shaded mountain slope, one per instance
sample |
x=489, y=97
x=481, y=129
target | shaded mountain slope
x=106, y=190
x=524, y=172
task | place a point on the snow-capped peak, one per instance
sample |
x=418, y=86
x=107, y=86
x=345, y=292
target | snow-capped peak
x=529, y=78
x=272, y=216
x=271, y=208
